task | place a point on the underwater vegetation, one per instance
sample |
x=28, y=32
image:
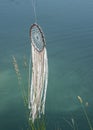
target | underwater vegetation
x=85, y=112
x=40, y=123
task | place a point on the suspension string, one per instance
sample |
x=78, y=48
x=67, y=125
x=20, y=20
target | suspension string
x=34, y=8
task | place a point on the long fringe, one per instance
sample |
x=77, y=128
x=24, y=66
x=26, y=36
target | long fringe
x=38, y=83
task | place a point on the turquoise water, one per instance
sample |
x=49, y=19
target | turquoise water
x=68, y=28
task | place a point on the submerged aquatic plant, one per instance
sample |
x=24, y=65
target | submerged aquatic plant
x=20, y=81
x=85, y=112
x=17, y=70
x=39, y=124
x=71, y=123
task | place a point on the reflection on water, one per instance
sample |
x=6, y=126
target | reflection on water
x=68, y=27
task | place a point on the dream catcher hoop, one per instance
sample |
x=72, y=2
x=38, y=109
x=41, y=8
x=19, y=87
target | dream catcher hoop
x=38, y=82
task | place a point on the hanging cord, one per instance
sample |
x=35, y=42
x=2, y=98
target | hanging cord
x=34, y=8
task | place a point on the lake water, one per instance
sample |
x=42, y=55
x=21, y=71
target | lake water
x=68, y=29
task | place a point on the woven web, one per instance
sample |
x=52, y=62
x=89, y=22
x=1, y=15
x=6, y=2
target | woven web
x=37, y=37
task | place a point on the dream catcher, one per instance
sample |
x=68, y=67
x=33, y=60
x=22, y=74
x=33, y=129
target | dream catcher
x=39, y=78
